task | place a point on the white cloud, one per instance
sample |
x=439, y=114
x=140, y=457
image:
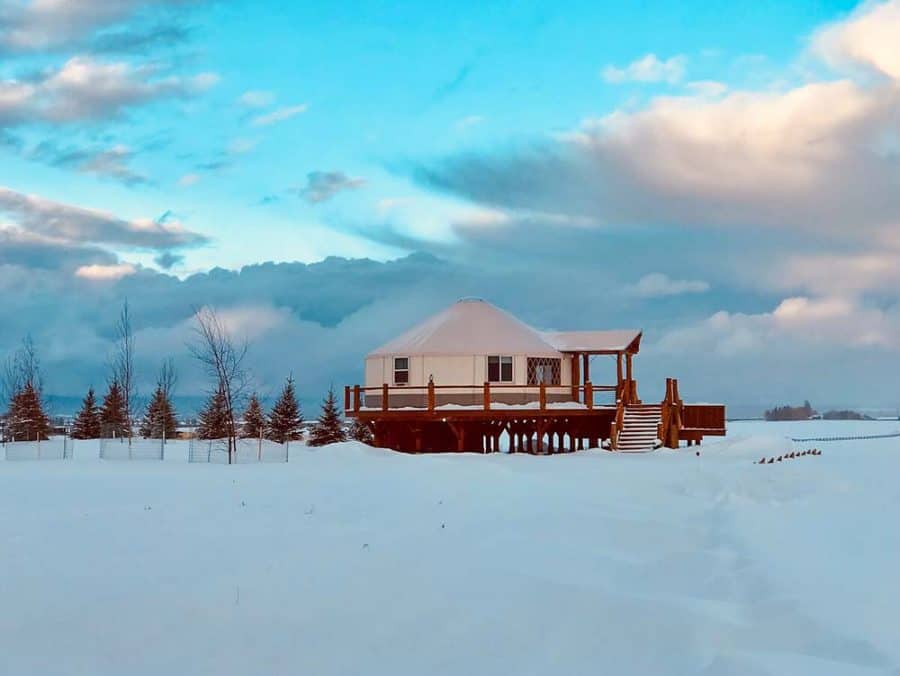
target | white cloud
x=78, y=225
x=87, y=89
x=188, y=180
x=648, y=68
x=658, y=285
x=256, y=99
x=38, y=25
x=870, y=38
x=279, y=115
x=707, y=88
x=105, y=273
x=799, y=321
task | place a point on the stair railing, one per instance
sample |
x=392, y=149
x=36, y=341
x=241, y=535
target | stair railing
x=671, y=415
x=615, y=428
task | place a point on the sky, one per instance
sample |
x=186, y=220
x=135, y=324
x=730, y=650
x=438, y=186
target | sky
x=726, y=178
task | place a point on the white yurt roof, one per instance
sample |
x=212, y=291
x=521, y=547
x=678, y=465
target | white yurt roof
x=470, y=326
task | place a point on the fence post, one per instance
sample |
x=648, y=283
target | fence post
x=356, y=398
x=487, y=396
x=384, y=397
x=589, y=394
x=543, y=396
x=431, y=395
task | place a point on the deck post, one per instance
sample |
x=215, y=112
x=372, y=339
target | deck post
x=576, y=377
x=384, y=397
x=543, y=396
x=356, y=398
x=586, y=363
x=431, y=395
x=589, y=395
x=619, y=377
x=346, y=397
x=487, y=396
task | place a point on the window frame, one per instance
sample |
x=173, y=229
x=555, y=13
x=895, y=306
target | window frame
x=510, y=362
x=395, y=370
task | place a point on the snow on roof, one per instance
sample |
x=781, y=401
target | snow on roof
x=594, y=341
x=469, y=326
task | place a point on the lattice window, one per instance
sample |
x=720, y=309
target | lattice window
x=544, y=370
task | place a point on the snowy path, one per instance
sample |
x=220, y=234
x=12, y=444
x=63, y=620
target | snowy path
x=350, y=560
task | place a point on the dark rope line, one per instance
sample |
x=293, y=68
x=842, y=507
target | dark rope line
x=869, y=436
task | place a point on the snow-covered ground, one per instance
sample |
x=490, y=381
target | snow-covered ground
x=350, y=560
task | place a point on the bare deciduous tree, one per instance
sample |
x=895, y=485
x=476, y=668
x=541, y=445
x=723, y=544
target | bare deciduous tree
x=123, y=362
x=223, y=361
x=20, y=370
x=167, y=378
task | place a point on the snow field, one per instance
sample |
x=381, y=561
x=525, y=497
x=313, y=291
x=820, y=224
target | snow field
x=351, y=560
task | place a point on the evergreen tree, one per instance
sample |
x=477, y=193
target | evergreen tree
x=87, y=422
x=329, y=429
x=159, y=420
x=254, y=420
x=359, y=431
x=214, y=417
x=285, y=420
x=114, y=421
x=26, y=419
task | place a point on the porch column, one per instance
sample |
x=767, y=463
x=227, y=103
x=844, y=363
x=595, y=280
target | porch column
x=587, y=367
x=618, y=374
x=576, y=376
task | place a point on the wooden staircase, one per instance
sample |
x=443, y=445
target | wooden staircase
x=639, y=429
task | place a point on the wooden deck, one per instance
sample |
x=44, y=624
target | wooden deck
x=541, y=419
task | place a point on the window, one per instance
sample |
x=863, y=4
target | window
x=544, y=370
x=500, y=369
x=401, y=370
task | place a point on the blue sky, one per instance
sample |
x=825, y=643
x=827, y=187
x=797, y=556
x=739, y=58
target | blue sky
x=691, y=159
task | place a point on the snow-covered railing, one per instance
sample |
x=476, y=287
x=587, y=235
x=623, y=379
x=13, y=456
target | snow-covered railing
x=426, y=396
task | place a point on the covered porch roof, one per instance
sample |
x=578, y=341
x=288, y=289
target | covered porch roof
x=622, y=341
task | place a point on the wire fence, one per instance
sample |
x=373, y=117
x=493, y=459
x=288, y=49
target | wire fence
x=132, y=449
x=246, y=451
x=58, y=448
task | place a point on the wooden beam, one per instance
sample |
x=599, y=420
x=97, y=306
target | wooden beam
x=586, y=359
x=384, y=397
x=487, y=396
x=628, y=369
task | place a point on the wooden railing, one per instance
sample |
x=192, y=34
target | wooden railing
x=704, y=417
x=354, y=396
x=615, y=428
x=671, y=415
